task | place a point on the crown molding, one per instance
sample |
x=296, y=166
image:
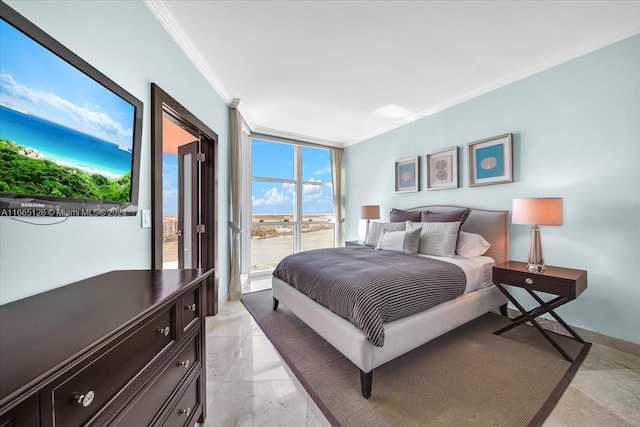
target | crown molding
x=296, y=137
x=247, y=118
x=546, y=64
x=163, y=14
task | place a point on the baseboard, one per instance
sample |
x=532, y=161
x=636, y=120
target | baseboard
x=587, y=335
x=223, y=301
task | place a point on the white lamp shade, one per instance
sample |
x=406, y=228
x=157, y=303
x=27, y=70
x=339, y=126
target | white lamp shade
x=370, y=212
x=537, y=211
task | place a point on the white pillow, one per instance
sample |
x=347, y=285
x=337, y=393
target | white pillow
x=399, y=241
x=375, y=231
x=471, y=244
x=436, y=238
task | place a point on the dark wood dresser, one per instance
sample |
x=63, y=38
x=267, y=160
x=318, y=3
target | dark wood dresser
x=125, y=348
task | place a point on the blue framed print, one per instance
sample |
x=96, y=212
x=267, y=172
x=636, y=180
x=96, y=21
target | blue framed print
x=491, y=161
x=406, y=173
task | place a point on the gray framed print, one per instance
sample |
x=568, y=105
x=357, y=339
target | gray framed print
x=491, y=160
x=406, y=175
x=442, y=169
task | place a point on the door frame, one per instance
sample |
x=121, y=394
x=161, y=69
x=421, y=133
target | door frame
x=162, y=102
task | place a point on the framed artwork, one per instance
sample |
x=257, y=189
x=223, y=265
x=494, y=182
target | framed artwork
x=490, y=161
x=407, y=175
x=442, y=169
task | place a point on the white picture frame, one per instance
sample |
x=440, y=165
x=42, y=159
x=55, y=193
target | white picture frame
x=406, y=175
x=442, y=169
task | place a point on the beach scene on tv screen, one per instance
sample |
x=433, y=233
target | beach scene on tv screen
x=62, y=134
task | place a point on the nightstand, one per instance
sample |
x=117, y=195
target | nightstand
x=566, y=283
x=354, y=243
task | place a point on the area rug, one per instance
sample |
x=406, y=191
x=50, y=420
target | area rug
x=467, y=377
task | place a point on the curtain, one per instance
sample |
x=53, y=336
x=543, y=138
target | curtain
x=235, y=181
x=337, y=172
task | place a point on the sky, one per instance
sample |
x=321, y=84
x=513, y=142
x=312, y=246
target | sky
x=270, y=160
x=273, y=160
x=169, y=184
x=34, y=80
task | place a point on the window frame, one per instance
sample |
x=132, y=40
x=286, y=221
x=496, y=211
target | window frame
x=247, y=220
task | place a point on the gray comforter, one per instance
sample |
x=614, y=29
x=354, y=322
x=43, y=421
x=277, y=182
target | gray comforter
x=371, y=287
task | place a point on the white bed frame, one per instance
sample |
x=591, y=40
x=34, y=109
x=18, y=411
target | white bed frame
x=403, y=335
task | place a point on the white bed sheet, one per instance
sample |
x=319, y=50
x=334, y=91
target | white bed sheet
x=476, y=269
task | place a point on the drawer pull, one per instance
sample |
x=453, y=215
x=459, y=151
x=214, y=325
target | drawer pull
x=186, y=412
x=164, y=331
x=185, y=364
x=191, y=307
x=84, y=399
x=528, y=281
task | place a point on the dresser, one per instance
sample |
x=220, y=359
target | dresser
x=125, y=348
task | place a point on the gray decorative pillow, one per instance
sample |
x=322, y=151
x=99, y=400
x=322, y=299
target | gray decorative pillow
x=398, y=215
x=451, y=216
x=375, y=231
x=436, y=238
x=400, y=241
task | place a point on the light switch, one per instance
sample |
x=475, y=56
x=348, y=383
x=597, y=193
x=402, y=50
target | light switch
x=146, y=218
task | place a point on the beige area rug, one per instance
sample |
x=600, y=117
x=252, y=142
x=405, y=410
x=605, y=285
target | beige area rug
x=467, y=377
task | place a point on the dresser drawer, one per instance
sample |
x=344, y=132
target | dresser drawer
x=153, y=398
x=190, y=308
x=81, y=396
x=26, y=414
x=187, y=408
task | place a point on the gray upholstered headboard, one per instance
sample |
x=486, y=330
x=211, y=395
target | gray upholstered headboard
x=492, y=225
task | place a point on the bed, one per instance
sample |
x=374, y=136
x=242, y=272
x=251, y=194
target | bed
x=407, y=333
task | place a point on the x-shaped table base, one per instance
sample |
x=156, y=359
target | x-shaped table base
x=529, y=316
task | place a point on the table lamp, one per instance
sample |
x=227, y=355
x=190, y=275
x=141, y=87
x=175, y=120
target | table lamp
x=536, y=212
x=369, y=212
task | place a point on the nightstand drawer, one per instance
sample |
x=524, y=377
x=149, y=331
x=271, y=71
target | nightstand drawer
x=535, y=282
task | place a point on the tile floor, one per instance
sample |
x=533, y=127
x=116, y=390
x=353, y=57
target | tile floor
x=248, y=384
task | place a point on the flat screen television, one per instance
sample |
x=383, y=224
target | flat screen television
x=69, y=136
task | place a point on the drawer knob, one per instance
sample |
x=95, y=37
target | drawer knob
x=185, y=411
x=84, y=399
x=164, y=331
x=184, y=364
x=191, y=307
x=528, y=281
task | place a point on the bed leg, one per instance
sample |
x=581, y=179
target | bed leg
x=366, y=381
x=503, y=310
x=275, y=304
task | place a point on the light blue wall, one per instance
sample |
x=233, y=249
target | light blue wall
x=125, y=42
x=577, y=136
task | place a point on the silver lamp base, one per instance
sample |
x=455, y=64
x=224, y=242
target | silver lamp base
x=536, y=263
x=366, y=233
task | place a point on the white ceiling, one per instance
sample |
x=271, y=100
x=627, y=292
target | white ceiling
x=318, y=70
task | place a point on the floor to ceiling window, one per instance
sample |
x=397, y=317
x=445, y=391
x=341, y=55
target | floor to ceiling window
x=291, y=201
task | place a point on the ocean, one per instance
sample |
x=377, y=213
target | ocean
x=64, y=145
